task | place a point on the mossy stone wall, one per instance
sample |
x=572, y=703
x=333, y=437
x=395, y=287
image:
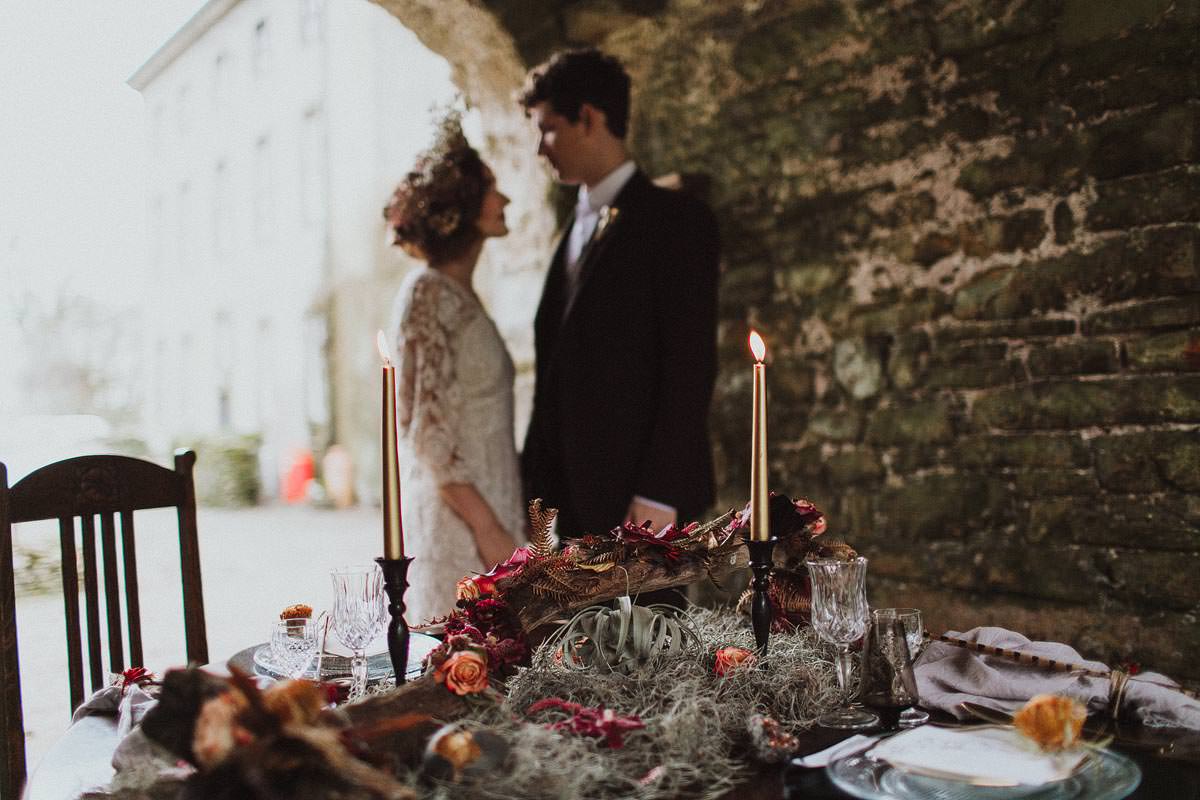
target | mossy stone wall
x=968, y=230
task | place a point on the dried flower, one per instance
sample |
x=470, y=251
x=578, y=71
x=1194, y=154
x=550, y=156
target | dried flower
x=732, y=658
x=217, y=730
x=297, y=611
x=467, y=589
x=1053, y=721
x=597, y=722
x=463, y=673
x=294, y=702
x=136, y=676
x=456, y=745
x=485, y=584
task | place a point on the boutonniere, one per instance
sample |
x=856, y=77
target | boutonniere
x=608, y=215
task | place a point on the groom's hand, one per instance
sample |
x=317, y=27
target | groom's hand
x=659, y=517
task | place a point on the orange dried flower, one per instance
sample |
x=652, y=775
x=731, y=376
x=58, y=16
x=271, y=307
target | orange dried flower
x=731, y=658
x=465, y=672
x=1053, y=721
x=298, y=611
x=217, y=731
x=294, y=702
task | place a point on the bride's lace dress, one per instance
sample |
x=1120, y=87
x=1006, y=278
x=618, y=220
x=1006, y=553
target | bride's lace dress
x=455, y=409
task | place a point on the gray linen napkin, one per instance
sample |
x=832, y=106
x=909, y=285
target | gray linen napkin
x=948, y=675
x=129, y=705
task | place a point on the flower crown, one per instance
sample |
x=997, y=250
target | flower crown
x=443, y=188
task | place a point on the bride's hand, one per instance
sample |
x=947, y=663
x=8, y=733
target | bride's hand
x=494, y=545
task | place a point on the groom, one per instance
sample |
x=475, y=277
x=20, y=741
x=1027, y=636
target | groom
x=625, y=334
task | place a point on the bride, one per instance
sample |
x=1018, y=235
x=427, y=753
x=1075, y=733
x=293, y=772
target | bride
x=461, y=490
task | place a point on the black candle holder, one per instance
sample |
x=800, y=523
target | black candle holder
x=395, y=583
x=760, y=610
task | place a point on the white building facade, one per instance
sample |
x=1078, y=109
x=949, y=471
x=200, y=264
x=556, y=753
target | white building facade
x=276, y=129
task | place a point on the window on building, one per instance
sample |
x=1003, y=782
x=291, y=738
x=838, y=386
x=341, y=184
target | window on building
x=222, y=212
x=184, y=241
x=261, y=48
x=311, y=20
x=264, y=190
x=221, y=82
x=225, y=353
x=158, y=218
x=183, y=108
x=157, y=131
x=312, y=166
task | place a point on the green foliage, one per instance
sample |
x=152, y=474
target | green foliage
x=226, y=470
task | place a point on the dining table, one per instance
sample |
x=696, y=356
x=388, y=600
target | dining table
x=1169, y=760
x=81, y=759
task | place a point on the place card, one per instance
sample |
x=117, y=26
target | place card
x=983, y=756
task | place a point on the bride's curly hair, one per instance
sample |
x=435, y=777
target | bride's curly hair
x=433, y=211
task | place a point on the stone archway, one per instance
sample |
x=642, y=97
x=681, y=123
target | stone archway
x=488, y=70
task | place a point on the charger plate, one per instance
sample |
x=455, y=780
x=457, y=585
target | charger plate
x=1104, y=775
x=379, y=665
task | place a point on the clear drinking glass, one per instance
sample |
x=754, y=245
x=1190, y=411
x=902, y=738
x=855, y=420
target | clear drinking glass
x=839, y=616
x=294, y=645
x=900, y=636
x=359, y=614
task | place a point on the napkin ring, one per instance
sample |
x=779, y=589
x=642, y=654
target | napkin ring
x=1118, y=681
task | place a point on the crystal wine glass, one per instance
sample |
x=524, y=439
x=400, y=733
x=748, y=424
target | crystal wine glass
x=839, y=616
x=900, y=636
x=294, y=644
x=359, y=614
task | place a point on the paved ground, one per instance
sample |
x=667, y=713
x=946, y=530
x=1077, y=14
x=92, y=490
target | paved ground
x=254, y=562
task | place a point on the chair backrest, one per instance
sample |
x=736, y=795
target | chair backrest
x=91, y=487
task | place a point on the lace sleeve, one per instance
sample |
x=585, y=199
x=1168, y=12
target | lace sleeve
x=428, y=395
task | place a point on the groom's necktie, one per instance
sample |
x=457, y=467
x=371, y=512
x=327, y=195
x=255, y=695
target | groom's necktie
x=581, y=231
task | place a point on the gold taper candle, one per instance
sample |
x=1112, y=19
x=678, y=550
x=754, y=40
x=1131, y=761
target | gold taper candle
x=393, y=529
x=760, y=523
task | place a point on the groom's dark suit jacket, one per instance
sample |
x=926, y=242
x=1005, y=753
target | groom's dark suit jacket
x=625, y=370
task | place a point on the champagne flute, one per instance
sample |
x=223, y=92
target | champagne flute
x=359, y=613
x=901, y=636
x=839, y=616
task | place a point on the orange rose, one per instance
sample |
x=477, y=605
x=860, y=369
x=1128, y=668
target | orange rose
x=467, y=589
x=731, y=658
x=1052, y=721
x=465, y=672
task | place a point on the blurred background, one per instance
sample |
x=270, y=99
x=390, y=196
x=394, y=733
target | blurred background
x=192, y=254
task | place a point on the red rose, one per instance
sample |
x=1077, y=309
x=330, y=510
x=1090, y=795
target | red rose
x=464, y=672
x=731, y=658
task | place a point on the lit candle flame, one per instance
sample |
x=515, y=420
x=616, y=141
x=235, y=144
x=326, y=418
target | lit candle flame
x=381, y=343
x=757, y=346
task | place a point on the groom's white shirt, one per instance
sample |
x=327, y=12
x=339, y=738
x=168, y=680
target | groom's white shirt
x=587, y=216
x=587, y=211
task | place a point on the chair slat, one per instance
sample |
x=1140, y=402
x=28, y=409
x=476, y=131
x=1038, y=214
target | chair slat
x=189, y=552
x=112, y=593
x=91, y=590
x=70, y=582
x=12, y=722
x=133, y=605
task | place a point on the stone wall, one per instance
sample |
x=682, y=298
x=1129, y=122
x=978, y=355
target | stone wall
x=968, y=230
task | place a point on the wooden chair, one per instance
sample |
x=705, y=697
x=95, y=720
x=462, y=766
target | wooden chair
x=88, y=487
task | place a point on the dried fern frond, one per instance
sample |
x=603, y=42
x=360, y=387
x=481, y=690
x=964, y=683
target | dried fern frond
x=540, y=520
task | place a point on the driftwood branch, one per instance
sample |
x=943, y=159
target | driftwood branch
x=635, y=577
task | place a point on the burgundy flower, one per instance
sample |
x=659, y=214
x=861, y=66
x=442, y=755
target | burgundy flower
x=787, y=517
x=485, y=584
x=597, y=722
x=135, y=676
